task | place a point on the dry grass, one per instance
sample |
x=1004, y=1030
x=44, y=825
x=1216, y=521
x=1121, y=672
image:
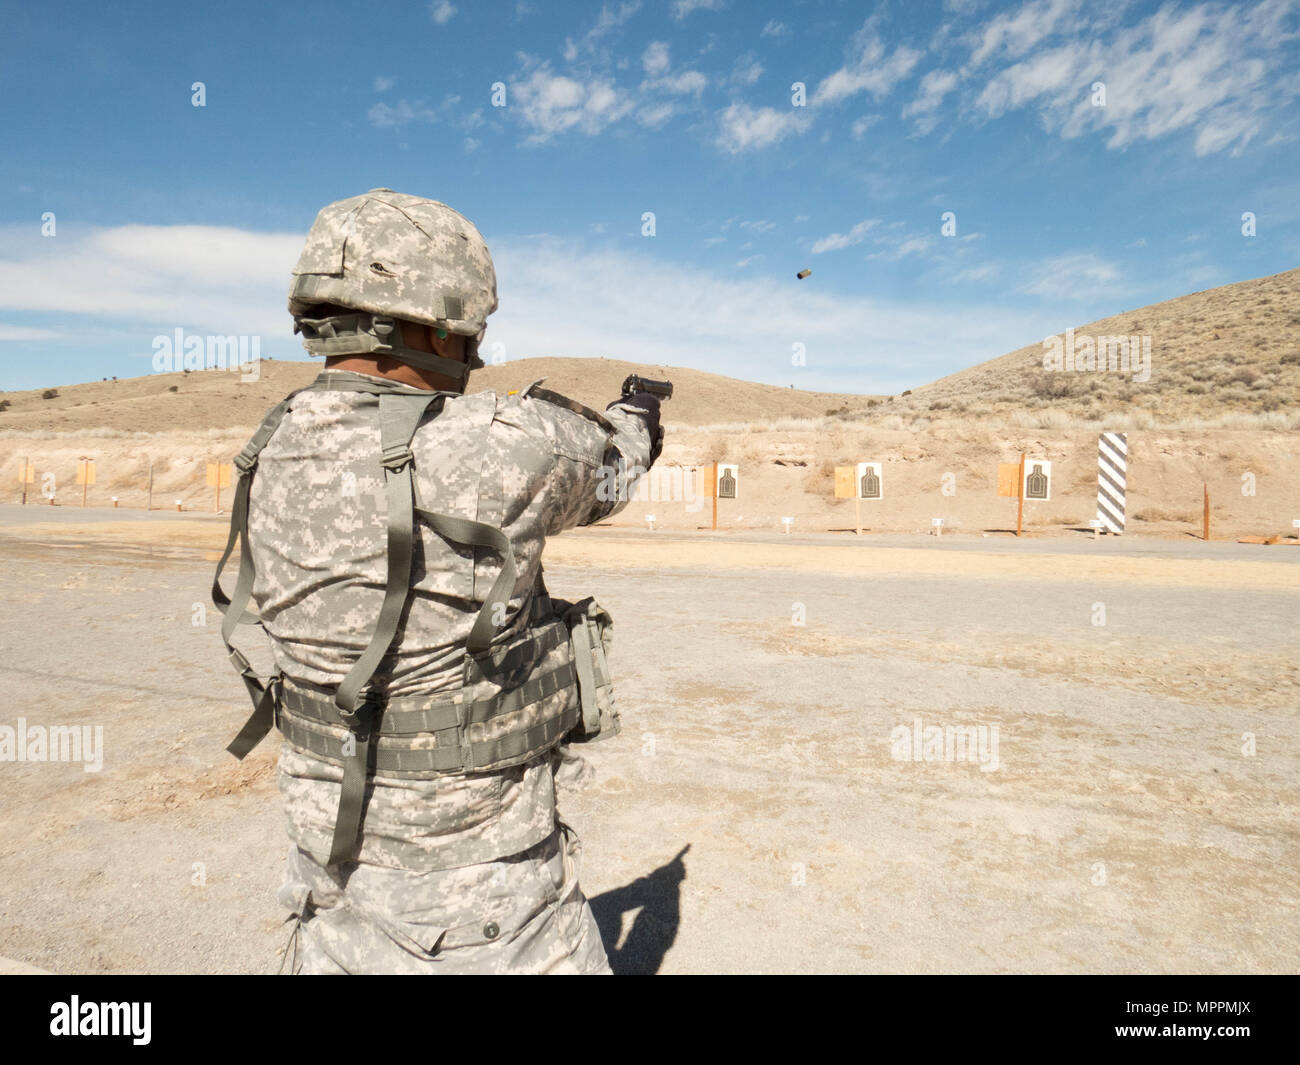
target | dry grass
x=1160, y=514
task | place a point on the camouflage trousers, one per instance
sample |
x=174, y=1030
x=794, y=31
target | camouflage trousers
x=524, y=913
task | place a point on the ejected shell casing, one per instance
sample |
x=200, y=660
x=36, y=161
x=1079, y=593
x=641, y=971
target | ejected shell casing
x=802, y=274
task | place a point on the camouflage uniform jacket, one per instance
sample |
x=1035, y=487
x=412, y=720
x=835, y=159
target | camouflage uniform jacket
x=318, y=534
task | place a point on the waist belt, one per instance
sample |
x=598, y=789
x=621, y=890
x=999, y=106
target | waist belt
x=396, y=723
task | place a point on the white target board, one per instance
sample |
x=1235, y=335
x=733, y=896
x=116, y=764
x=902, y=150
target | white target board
x=1038, y=481
x=871, y=480
x=728, y=479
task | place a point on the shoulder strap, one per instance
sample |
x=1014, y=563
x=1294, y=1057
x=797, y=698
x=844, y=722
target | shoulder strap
x=479, y=534
x=261, y=693
x=246, y=462
x=537, y=392
x=399, y=417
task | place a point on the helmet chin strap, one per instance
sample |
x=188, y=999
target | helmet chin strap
x=365, y=334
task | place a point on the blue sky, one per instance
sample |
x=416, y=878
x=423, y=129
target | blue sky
x=168, y=215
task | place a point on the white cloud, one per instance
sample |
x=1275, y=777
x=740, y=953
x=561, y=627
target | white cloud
x=383, y=84
x=609, y=20
x=19, y=332
x=1071, y=277
x=983, y=272
x=442, y=12
x=472, y=144
x=382, y=116
x=655, y=115
x=682, y=8
x=744, y=127
x=835, y=241
x=924, y=108
x=1215, y=71
x=861, y=125
x=655, y=62
x=553, y=104
x=871, y=68
x=909, y=246
x=1014, y=33
x=762, y=225
x=774, y=29
x=206, y=278
x=742, y=263
x=680, y=84
x=934, y=87
x=654, y=59
x=747, y=70
x=629, y=305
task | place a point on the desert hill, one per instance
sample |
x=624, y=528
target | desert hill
x=216, y=399
x=1232, y=350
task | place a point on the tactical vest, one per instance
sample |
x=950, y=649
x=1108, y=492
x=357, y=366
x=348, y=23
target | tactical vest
x=455, y=731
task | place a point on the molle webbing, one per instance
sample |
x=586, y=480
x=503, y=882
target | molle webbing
x=587, y=621
x=445, y=718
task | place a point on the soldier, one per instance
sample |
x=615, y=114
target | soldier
x=425, y=683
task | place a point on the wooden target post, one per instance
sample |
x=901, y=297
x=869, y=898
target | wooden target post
x=844, y=488
x=713, y=491
x=85, y=477
x=1020, y=496
x=28, y=476
x=218, y=478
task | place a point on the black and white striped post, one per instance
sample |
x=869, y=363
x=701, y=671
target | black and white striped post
x=1112, y=478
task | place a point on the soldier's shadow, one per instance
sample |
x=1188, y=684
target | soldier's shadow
x=654, y=929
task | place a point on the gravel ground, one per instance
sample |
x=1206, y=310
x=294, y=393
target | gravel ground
x=753, y=816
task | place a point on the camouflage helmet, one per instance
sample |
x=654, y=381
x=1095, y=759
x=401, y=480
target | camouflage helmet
x=389, y=256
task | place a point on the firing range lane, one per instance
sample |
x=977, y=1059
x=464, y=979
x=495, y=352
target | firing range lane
x=13, y=516
x=1070, y=543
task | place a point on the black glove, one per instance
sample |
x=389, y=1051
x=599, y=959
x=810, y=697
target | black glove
x=650, y=404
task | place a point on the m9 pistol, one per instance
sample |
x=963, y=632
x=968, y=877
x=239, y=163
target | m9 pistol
x=636, y=383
